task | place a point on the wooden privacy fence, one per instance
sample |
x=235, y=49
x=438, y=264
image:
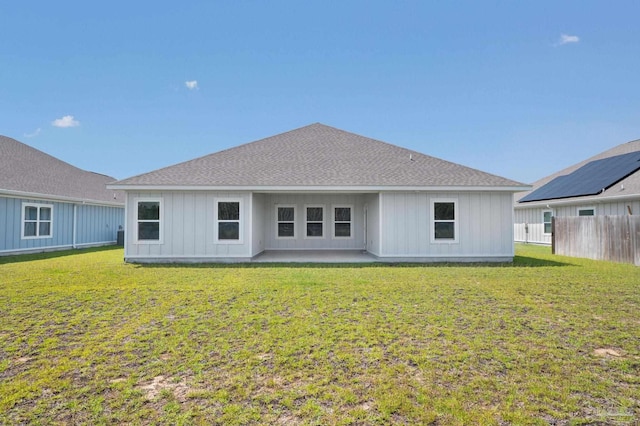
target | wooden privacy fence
x=614, y=238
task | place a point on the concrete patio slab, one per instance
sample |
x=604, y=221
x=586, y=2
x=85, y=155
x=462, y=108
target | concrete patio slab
x=314, y=256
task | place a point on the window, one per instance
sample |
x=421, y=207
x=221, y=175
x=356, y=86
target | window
x=37, y=220
x=586, y=211
x=285, y=221
x=342, y=218
x=445, y=222
x=546, y=220
x=314, y=221
x=148, y=217
x=228, y=228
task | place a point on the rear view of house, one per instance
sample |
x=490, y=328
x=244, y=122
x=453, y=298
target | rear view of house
x=607, y=184
x=318, y=188
x=47, y=204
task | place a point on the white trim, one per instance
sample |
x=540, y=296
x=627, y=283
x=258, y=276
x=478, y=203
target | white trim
x=250, y=219
x=437, y=256
x=574, y=201
x=56, y=198
x=37, y=221
x=350, y=222
x=295, y=233
x=380, y=222
x=312, y=188
x=127, y=237
x=579, y=209
x=75, y=226
x=240, y=220
x=455, y=221
x=161, y=220
x=45, y=249
x=324, y=221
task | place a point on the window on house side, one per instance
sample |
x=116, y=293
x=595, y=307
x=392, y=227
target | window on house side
x=342, y=222
x=148, y=219
x=315, y=221
x=546, y=220
x=286, y=221
x=37, y=220
x=587, y=212
x=228, y=220
x=445, y=225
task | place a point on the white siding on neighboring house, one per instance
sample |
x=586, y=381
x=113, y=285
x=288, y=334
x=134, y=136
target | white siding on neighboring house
x=532, y=216
x=483, y=224
x=531, y=219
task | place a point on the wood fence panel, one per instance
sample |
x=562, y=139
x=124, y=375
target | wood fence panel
x=613, y=238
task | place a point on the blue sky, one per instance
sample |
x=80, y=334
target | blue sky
x=519, y=89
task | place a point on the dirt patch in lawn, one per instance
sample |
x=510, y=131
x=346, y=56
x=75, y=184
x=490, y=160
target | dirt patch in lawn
x=160, y=383
x=607, y=352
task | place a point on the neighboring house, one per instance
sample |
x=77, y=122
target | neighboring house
x=47, y=204
x=318, y=188
x=607, y=184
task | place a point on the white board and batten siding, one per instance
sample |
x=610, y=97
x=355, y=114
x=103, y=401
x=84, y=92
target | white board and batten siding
x=372, y=209
x=531, y=219
x=484, y=226
x=394, y=226
x=300, y=241
x=187, y=227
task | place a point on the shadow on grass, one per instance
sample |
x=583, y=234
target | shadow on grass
x=17, y=258
x=518, y=262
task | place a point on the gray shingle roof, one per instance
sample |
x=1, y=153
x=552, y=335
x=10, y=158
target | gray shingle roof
x=318, y=156
x=26, y=169
x=631, y=183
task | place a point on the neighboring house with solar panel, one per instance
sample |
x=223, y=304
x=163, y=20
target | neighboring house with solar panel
x=317, y=189
x=607, y=184
x=47, y=204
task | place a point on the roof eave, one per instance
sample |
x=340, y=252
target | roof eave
x=319, y=188
x=575, y=201
x=61, y=198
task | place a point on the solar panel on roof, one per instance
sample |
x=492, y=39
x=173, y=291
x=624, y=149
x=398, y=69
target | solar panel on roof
x=589, y=179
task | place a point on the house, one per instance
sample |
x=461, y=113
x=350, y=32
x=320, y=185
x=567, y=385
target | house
x=318, y=188
x=607, y=184
x=47, y=204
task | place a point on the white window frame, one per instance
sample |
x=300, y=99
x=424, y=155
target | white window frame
x=550, y=222
x=593, y=208
x=334, y=221
x=278, y=222
x=160, y=221
x=37, y=221
x=455, y=221
x=217, y=221
x=324, y=221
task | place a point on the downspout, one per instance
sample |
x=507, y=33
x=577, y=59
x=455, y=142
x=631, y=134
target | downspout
x=75, y=224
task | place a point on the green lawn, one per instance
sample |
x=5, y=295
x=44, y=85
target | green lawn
x=87, y=339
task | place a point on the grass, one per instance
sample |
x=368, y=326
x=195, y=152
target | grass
x=87, y=339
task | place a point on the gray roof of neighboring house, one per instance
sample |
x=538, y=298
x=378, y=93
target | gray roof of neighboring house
x=631, y=183
x=24, y=169
x=318, y=156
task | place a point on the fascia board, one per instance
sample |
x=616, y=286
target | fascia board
x=325, y=189
x=60, y=198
